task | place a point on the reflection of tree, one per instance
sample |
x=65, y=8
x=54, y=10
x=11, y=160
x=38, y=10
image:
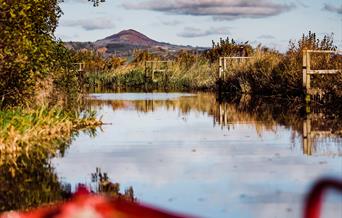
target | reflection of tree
x=263, y=113
x=312, y=122
x=202, y=102
x=33, y=184
x=105, y=186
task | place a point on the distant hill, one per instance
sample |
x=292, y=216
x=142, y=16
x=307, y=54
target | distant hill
x=126, y=41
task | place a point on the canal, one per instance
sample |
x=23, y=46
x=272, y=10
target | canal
x=193, y=153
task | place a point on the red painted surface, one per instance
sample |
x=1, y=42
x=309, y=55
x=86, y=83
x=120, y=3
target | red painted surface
x=315, y=199
x=87, y=205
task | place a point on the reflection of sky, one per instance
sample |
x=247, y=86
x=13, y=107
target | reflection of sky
x=184, y=163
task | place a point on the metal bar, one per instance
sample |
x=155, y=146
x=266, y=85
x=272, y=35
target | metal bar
x=159, y=61
x=321, y=133
x=324, y=51
x=324, y=71
x=237, y=57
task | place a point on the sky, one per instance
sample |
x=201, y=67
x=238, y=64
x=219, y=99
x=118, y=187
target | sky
x=197, y=22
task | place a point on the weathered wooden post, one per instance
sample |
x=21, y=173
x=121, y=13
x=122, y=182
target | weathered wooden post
x=145, y=71
x=306, y=75
x=152, y=72
x=304, y=68
x=220, y=67
x=224, y=68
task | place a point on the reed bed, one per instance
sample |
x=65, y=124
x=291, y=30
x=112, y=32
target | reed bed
x=44, y=130
x=268, y=72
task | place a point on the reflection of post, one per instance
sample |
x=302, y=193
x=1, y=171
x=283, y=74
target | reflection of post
x=307, y=136
x=220, y=114
x=149, y=106
x=225, y=115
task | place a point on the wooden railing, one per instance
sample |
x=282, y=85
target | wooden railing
x=152, y=67
x=80, y=66
x=307, y=71
x=223, y=65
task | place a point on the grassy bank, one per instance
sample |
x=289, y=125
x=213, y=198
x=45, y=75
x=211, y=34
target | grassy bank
x=268, y=72
x=198, y=75
x=41, y=131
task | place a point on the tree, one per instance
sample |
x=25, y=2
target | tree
x=26, y=45
x=28, y=48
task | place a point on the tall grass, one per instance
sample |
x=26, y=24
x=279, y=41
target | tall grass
x=43, y=130
x=181, y=75
x=268, y=72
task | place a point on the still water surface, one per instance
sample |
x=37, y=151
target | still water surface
x=190, y=153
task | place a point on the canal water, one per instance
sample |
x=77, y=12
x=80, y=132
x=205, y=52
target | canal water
x=195, y=154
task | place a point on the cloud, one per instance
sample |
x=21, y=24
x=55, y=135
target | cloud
x=302, y=4
x=171, y=23
x=93, y=24
x=67, y=37
x=218, y=9
x=191, y=32
x=266, y=36
x=333, y=8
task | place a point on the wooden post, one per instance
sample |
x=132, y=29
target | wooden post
x=224, y=68
x=308, y=68
x=145, y=71
x=152, y=75
x=304, y=68
x=220, y=68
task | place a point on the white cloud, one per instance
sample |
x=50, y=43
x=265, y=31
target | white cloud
x=191, y=32
x=93, y=24
x=218, y=9
x=333, y=8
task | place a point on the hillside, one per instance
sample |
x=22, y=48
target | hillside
x=126, y=41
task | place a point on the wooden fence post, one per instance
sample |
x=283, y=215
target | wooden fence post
x=308, y=68
x=220, y=68
x=224, y=68
x=304, y=69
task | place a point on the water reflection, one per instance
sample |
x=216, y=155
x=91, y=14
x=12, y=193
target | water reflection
x=319, y=128
x=33, y=184
x=202, y=155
